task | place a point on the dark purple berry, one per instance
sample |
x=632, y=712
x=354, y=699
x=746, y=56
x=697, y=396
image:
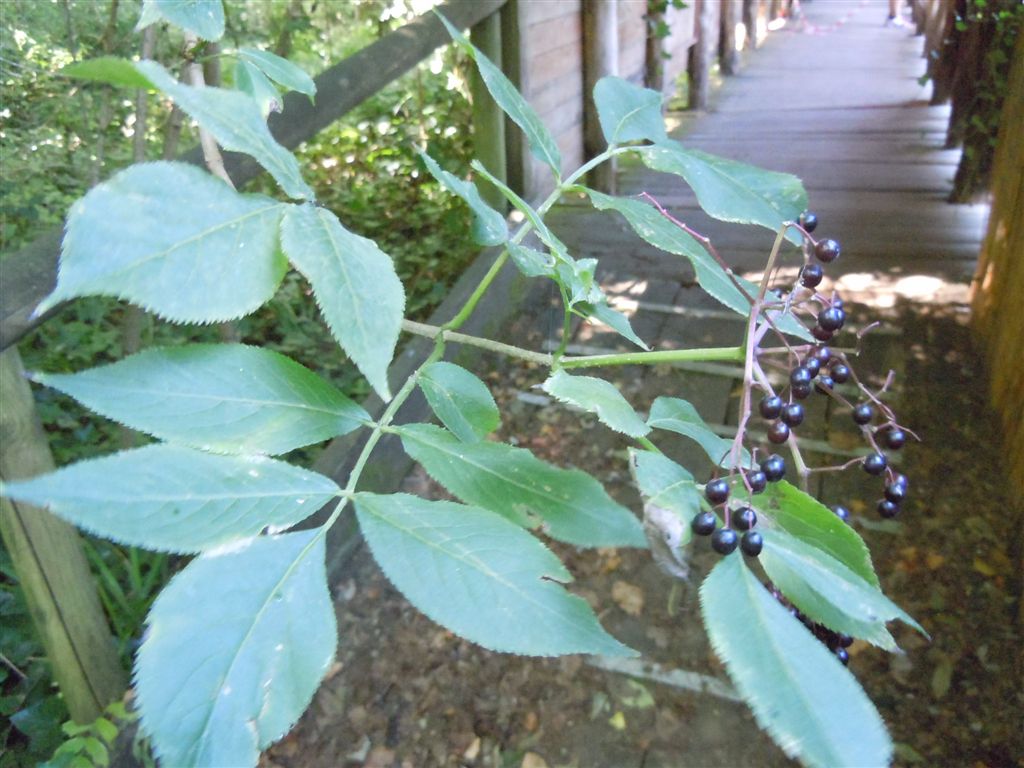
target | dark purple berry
x=717, y=491
x=826, y=251
x=820, y=333
x=824, y=355
x=895, y=492
x=831, y=319
x=704, y=523
x=845, y=641
x=809, y=221
x=800, y=375
x=838, y=304
x=757, y=481
x=813, y=365
x=840, y=373
x=752, y=543
x=724, y=541
x=811, y=276
x=743, y=519
x=778, y=432
x=793, y=414
x=888, y=509
x=770, y=406
x=841, y=512
x=863, y=413
x=774, y=468
x=800, y=391
x=824, y=384
x=843, y=655
x=874, y=464
x=894, y=438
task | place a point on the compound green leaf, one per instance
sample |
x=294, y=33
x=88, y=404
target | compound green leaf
x=250, y=80
x=280, y=70
x=355, y=286
x=628, y=112
x=481, y=576
x=827, y=591
x=175, y=499
x=228, y=398
x=107, y=69
x=236, y=122
x=203, y=17
x=235, y=648
x=577, y=275
x=804, y=517
x=489, y=227
x=568, y=504
x=657, y=230
x=614, y=319
x=192, y=249
x=663, y=482
x=597, y=396
x=530, y=261
x=542, y=143
x=732, y=191
x=460, y=400
x=677, y=415
x=806, y=700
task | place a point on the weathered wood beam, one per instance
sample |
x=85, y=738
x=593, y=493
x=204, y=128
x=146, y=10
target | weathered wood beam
x=600, y=59
x=488, y=118
x=30, y=273
x=51, y=567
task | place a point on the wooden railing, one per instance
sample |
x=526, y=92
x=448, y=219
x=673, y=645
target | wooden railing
x=46, y=552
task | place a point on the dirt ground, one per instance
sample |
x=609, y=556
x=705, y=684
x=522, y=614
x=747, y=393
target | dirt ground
x=405, y=692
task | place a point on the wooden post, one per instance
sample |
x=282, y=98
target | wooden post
x=728, y=56
x=50, y=564
x=654, y=57
x=702, y=53
x=600, y=58
x=488, y=119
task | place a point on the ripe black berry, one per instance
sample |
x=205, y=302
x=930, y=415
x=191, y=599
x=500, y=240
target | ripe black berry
x=813, y=365
x=824, y=355
x=757, y=481
x=874, y=464
x=840, y=373
x=774, y=468
x=809, y=221
x=843, y=655
x=863, y=413
x=895, y=492
x=827, y=251
x=888, y=509
x=770, y=406
x=831, y=319
x=820, y=333
x=744, y=518
x=778, y=432
x=724, y=541
x=752, y=543
x=824, y=384
x=894, y=438
x=841, y=512
x=800, y=391
x=717, y=491
x=704, y=523
x=800, y=375
x=811, y=276
x=838, y=304
x=845, y=641
x=793, y=414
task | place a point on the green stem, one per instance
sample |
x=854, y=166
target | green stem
x=479, y=291
x=707, y=354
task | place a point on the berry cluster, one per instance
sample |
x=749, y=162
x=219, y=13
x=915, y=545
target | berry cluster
x=742, y=518
x=834, y=641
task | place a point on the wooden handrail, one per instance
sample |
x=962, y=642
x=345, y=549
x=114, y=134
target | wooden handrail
x=29, y=274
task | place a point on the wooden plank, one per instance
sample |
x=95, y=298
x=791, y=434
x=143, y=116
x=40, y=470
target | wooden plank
x=30, y=273
x=488, y=117
x=50, y=564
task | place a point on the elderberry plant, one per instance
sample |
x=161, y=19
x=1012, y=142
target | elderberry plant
x=240, y=639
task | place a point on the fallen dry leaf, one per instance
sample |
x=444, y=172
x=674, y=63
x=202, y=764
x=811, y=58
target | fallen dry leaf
x=533, y=760
x=628, y=597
